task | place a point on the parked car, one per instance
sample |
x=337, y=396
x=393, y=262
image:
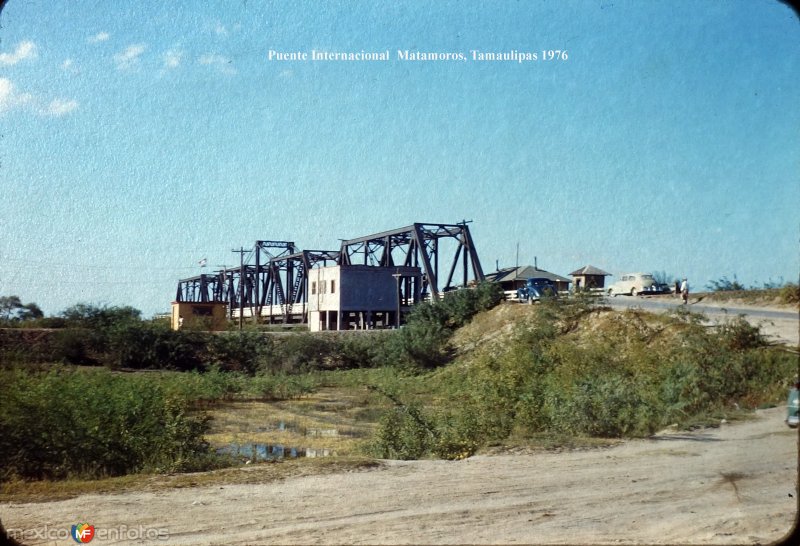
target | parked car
x=793, y=405
x=536, y=289
x=632, y=284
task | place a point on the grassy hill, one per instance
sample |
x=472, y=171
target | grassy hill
x=575, y=369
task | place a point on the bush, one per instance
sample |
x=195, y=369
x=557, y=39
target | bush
x=636, y=375
x=99, y=317
x=91, y=424
x=298, y=353
x=740, y=335
x=724, y=284
x=790, y=294
x=147, y=345
x=73, y=346
x=403, y=433
x=609, y=406
x=423, y=341
x=241, y=351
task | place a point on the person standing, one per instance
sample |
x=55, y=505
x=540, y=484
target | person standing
x=685, y=291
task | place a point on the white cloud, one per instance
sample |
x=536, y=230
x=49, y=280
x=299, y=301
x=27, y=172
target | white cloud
x=69, y=66
x=130, y=56
x=99, y=37
x=25, y=50
x=12, y=99
x=173, y=58
x=59, y=107
x=220, y=62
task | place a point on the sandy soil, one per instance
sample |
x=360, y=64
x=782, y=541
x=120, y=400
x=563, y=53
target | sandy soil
x=733, y=484
x=780, y=323
x=782, y=331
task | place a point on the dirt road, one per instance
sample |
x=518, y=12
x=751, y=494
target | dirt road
x=732, y=484
x=780, y=324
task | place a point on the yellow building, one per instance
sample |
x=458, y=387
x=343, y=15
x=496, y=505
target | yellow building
x=199, y=316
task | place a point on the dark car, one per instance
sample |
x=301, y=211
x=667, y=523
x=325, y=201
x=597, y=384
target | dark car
x=537, y=289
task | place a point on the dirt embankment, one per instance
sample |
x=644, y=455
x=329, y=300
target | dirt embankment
x=733, y=484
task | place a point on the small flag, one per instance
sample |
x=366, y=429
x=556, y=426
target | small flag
x=203, y=262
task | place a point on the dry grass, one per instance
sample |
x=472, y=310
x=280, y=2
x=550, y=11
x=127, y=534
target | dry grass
x=331, y=418
x=491, y=330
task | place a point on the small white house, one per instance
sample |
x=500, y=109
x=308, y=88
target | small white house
x=358, y=297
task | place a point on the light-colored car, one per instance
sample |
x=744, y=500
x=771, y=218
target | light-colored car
x=793, y=406
x=632, y=284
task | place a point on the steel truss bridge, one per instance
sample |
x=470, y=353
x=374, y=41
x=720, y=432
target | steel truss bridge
x=272, y=281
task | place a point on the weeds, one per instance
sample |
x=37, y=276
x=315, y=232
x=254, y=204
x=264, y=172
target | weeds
x=75, y=423
x=627, y=376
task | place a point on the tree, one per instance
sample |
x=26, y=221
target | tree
x=100, y=316
x=662, y=277
x=13, y=310
x=724, y=285
x=9, y=306
x=30, y=311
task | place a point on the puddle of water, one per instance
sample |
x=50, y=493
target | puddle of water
x=268, y=452
x=285, y=426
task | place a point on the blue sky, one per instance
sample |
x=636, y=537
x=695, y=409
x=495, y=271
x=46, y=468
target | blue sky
x=137, y=140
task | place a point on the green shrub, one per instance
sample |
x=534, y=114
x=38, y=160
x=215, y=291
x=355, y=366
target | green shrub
x=239, y=351
x=403, y=433
x=76, y=423
x=73, y=346
x=724, y=284
x=297, y=353
x=636, y=375
x=423, y=341
x=280, y=386
x=99, y=317
x=614, y=405
x=740, y=335
x=362, y=350
x=147, y=345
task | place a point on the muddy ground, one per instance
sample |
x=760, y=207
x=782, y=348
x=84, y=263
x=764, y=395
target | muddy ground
x=733, y=484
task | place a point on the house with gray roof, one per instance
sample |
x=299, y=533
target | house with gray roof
x=512, y=278
x=589, y=277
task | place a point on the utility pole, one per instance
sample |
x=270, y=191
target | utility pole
x=397, y=276
x=241, y=284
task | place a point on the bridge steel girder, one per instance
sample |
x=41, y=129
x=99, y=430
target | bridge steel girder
x=287, y=283
x=203, y=288
x=276, y=273
x=419, y=246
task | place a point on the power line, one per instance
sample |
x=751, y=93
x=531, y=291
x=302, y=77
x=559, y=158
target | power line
x=101, y=267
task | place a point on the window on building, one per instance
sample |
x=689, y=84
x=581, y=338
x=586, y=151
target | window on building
x=333, y=286
x=313, y=288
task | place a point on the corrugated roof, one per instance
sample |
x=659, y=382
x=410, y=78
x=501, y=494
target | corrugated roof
x=523, y=273
x=590, y=270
